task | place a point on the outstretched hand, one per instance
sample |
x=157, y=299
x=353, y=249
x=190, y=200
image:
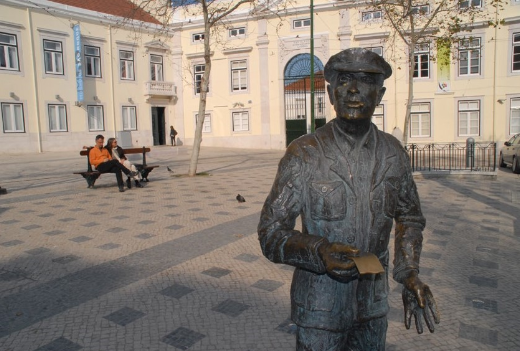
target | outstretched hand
x=336, y=261
x=418, y=302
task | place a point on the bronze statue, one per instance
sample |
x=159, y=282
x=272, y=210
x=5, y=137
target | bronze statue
x=348, y=182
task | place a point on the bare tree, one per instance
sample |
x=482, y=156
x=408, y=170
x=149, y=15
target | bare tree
x=438, y=24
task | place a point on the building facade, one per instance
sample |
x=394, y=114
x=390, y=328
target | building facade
x=138, y=80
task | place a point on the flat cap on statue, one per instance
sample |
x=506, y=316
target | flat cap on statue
x=356, y=60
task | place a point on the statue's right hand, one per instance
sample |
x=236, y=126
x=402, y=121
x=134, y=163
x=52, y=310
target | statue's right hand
x=335, y=257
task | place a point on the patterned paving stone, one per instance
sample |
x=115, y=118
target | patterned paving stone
x=146, y=222
x=109, y=246
x=144, y=236
x=31, y=227
x=230, y=308
x=7, y=276
x=60, y=344
x=483, y=281
x=90, y=224
x=488, y=238
x=480, y=335
x=66, y=259
x=216, y=272
x=11, y=221
x=81, y=239
x=195, y=209
x=38, y=251
x=116, y=230
x=247, y=257
x=182, y=338
x=425, y=271
x=76, y=209
x=483, y=304
x=54, y=232
x=268, y=285
x=487, y=249
x=175, y=227
x=46, y=215
x=286, y=267
x=485, y=263
x=432, y=255
x=437, y=242
x=124, y=316
x=201, y=219
x=121, y=217
x=12, y=243
x=170, y=206
x=68, y=219
x=176, y=291
x=58, y=206
x=223, y=213
x=147, y=211
x=441, y=232
x=287, y=326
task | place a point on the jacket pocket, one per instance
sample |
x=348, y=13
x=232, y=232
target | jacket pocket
x=313, y=292
x=328, y=200
x=391, y=192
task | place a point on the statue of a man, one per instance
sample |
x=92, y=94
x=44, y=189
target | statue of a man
x=348, y=182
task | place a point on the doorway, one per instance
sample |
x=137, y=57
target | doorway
x=158, y=126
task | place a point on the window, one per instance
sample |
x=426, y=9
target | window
x=206, y=126
x=95, y=118
x=378, y=118
x=197, y=37
x=240, y=121
x=464, y=4
x=198, y=73
x=92, y=61
x=237, y=32
x=421, y=10
x=58, y=118
x=129, y=118
x=377, y=49
x=514, y=123
x=370, y=16
x=422, y=62
x=469, y=118
x=8, y=52
x=301, y=23
x=12, y=118
x=53, y=56
x=469, y=57
x=126, y=62
x=516, y=52
x=156, y=68
x=420, y=120
x=239, y=75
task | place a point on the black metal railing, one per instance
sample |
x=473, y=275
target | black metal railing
x=477, y=157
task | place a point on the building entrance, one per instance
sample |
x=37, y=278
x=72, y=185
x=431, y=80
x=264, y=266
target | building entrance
x=158, y=126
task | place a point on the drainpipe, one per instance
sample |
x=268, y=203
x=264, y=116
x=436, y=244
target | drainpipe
x=35, y=82
x=112, y=91
x=495, y=72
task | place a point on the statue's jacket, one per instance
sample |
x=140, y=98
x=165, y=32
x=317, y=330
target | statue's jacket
x=313, y=182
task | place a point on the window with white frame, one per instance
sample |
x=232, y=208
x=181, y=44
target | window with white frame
x=422, y=61
x=92, y=61
x=239, y=75
x=198, y=72
x=240, y=121
x=126, y=64
x=12, y=118
x=378, y=118
x=206, y=126
x=301, y=23
x=516, y=52
x=197, y=37
x=95, y=118
x=371, y=15
x=469, y=57
x=156, y=68
x=53, y=56
x=8, y=52
x=421, y=10
x=514, y=116
x=57, y=118
x=129, y=118
x=464, y=4
x=377, y=49
x=469, y=118
x=420, y=120
x=237, y=32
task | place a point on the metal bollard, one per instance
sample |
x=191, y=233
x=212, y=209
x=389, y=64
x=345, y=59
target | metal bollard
x=470, y=152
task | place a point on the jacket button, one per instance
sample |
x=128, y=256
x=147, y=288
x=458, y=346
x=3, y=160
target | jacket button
x=351, y=200
x=323, y=189
x=351, y=239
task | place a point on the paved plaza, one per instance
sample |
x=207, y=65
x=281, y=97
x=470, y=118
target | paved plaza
x=177, y=265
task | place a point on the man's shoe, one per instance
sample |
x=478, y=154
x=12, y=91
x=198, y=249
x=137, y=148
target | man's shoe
x=129, y=183
x=132, y=174
x=138, y=184
x=121, y=189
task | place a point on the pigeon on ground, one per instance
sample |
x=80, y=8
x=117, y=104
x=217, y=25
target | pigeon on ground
x=169, y=169
x=240, y=198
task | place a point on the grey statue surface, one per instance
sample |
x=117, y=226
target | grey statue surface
x=347, y=182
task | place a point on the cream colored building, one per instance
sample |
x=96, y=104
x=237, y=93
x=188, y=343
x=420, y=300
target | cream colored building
x=255, y=58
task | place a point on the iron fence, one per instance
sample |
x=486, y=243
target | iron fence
x=477, y=157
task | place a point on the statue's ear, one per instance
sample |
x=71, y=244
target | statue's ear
x=331, y=94
x=380, y=95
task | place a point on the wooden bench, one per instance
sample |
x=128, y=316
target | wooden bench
x=91, y=176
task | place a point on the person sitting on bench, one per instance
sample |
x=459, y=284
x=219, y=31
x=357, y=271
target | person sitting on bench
x=100, y=159
x=118, y=153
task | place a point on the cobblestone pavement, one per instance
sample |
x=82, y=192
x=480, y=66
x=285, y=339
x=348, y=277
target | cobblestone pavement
x=177, y=265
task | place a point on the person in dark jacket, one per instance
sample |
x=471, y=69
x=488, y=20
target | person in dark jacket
x=173, y=134
x=347, y=182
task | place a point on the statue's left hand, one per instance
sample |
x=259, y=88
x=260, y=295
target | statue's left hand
x=419, y=302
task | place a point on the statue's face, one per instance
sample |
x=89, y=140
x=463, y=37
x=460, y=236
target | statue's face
x=355, y=95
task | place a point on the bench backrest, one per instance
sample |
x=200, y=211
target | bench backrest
x=136, y=150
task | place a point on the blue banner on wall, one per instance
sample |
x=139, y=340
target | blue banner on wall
x=79, y=69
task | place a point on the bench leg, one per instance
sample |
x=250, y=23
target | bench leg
x=91, y=179
x=144, y=174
